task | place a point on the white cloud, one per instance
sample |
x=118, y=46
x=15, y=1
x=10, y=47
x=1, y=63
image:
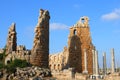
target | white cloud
x=115, y=15
x=58, y=26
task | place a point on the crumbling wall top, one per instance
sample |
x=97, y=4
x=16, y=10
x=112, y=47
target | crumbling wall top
x=83, y=22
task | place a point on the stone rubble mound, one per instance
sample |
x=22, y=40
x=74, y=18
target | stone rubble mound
x=30, y=73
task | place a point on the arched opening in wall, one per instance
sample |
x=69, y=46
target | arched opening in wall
x=75, y=32
x=58, y=66
x=8, y=62
x=54, y=67
x=82, y=20
x=50, y=66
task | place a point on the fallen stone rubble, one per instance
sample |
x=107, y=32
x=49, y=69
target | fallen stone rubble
x=28, y=73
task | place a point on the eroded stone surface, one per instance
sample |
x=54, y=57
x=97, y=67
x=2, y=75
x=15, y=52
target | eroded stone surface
x=11, y=39
x=40, y=50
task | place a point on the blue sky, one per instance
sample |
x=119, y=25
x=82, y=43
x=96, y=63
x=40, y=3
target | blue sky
x=104, y=22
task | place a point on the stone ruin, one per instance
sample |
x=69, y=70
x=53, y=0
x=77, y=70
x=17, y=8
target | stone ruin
x=39, y=55
x=79, y=40
x=20, y=53
x=12, y=50
x=71, y=57
x=40, y=50
x=59, y=61
x=80, y=56
x=11, y=39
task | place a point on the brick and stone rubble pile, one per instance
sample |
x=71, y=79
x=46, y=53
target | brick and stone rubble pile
x=28, y=73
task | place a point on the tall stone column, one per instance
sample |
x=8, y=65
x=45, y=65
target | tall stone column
x=113, y=61
x=93, y=53
x=104, y=64
x=85, y=62
x=96, y=63
x=116, y=67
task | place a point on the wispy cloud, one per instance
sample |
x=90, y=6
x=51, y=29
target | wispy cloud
x=76, y=6
x=114, y=15
x=58, y=26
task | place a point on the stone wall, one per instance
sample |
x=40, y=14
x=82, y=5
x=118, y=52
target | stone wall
x=78, y=41
x=79, y=76
x=58, y=61
x=20, y=53
x=67, y=74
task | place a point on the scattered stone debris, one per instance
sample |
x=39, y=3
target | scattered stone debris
x=28, y=73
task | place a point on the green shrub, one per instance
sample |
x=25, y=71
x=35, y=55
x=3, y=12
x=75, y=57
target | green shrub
x=20, y=63
x=1, y=65
x=11, y=67
x=1, y=56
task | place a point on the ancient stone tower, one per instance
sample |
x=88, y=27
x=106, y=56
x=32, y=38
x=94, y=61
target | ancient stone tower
x=11, y=39
x=40, y=50
x=79, y=41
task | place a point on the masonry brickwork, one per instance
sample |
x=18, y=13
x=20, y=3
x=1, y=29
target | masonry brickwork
x=40, y=50
x=79, y=39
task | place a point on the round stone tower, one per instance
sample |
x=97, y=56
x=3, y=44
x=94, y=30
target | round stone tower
x=40, y=51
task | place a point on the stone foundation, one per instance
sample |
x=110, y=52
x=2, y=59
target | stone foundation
x=64, y=75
